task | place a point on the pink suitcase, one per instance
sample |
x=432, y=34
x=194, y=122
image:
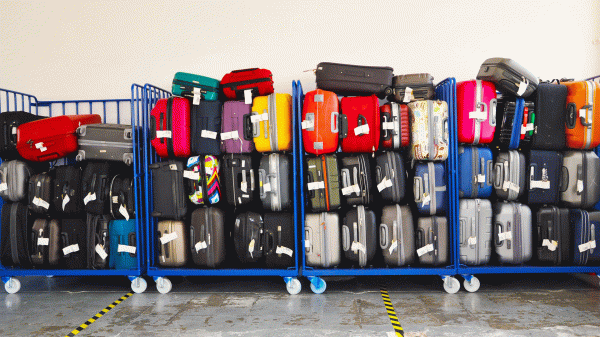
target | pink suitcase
x=476, y=105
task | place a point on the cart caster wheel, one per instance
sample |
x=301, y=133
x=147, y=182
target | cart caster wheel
x=317, y=285
x=12, y=286
x=451, y=285
x=139, y=285
x=472, y=286
x=293, y=286
x=163, y=285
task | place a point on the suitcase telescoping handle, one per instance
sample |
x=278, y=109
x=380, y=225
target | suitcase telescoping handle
x=383, y=236
x=498, y=175
x=499, y=229
x=335, y=116
x=492, y=112
x=583, y=119
x=418, y=189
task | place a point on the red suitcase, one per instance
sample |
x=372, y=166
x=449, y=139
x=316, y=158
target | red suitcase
x=395, y=130
x=359, y=124
x=51, y=138
x=259, y=82
x=320, y=116
x=170, y=120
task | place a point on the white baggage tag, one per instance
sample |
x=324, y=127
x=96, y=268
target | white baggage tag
x=230, y=135
x=583, y=113
x=115, y=199
x=267, y=187
x=361, y=130
x=3, y=187
x=426, y=200
x=126, y=249
x=586, y=246
x=191, y=175
x=508, y=185
x=251, y=248
x=245, y=196
x=393, y=246
x=579, y=186
x=306, y=243
x=385, y=183
x=264, y=117
x=166, y=238
x=39, y=183
x=550, y=244
x=208, y=134
x=90, y=197
x=71, y=249
x=244, y=186
x=351, y=189
x=357, y=246
x=540, y=184
x=284, y=250
x=248, y=96
x=425, y=249
x=481, y=115
x=41, y=203
x=472, y=241
x=39, y=145
x=307, y=124
x=522, y=87
x=317, y=185
x=312, y=166
x=197, y=96
x=505, y=236
x=124, y=212
x=43, y=241
x=43, y=149
x=200, y=245
x=66, y=200
x=14, y=130
x=100, y=251
x=255, y=118
x=481, y=178
x=408, y=95
x=388, y=126
x=163, y=134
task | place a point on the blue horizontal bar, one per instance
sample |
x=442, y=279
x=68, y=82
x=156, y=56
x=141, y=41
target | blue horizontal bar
x=222, y=272
x=47, y=103
x=70, y=272
x=378, y=272
x=526, y=270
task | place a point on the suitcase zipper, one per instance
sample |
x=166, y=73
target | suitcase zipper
x=478, y=101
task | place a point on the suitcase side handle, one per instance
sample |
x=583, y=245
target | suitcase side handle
x=385, y=118
x=343, y=126
x=243, y=70
x=492, y=112
x=499, y=229
x=563, y=182
x=489, y=172
x=132, y=243
x=378, y=174
x=571, y=115
x=308, y=238
x=418, y=189
x=445, y=132
x=498, y=175
x=335, y=122
x=583, y=119
x=420, y=238
x=383, y=236
x=345, y=238
x=269, y=242
x=248, y=127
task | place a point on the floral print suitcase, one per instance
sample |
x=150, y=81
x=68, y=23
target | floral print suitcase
x=429, y=128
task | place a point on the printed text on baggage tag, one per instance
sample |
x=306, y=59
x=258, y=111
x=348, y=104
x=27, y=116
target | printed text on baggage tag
x=124, y=212
x=208, y=134
x=358, y=246
x=587, y=246
x=126, y=249
x=90, y=197
x=164, y=134
x=472, y=241
x=539, y=184
x=284, y=250
x=505, y=236
x=351, y=189
x=200, y=245
x=191, y=175
x=41, y=203
x=248, y=96
x=307, y=124
x=522, y=87
x=230, y=135
x=361, y=130
x=197, y=96
x=550, y=244
x=385, y=183
x=43, y=241
x=425, y=249
x=71, y=249
x=66, y=200
x=317, y=185
x=393, y=246
x=579, y=186
x=166, y=238
x=408, y=95
x=100, y=251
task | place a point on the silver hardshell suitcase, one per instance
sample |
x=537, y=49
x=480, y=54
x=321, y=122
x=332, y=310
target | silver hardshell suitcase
x=396, y=235
x=14, y=180
x=513, y=232
x=113, y=142
x=509, y=175
x=274, y=182
x=475, y=231
x=580, y=185
x=432, y=241
x=322, y=240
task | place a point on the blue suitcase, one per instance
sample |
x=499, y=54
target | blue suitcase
x=430, y=188
x=543, y=177
x=123, y=248
x=585, y=227
x=476, y=172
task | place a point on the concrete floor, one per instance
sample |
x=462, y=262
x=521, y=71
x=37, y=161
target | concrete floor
x=521, y=305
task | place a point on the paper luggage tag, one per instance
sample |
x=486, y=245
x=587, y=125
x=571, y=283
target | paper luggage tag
x=255, y=118
x=208, y=134
x=361, y=130
x=307, y=124
x=481, y=178
x=230, y=135
x=522, y=87
x=126, y=249
x=472, y=241
x=248, y=96
x=408, y=95
x=539, y=184
x=166, y=238
x=244, y=186
x=197, y=96
x=579, y=186
x=251, y=248
x=385, y=183
x=100, y=251
x=387, y=126
x=66, y=200
x=90, y=197
x=200, y=245
x=426, y=199
x=393, y=246
x=587, y=246
x=41, y=203
x=40, y=146
x=71, y=249
x=478, y=114
x=550, y=244
x=43, y=241
x=163, y=134
x=267, y=187
x=357, y=246
x=124, y=212
x=351, y=189
x=284, y=250
x=425, y=249
x=3, y=187
x=505, y=236
x=508, y=185
x=526, y=128
x=191, y=175
x=317, y=185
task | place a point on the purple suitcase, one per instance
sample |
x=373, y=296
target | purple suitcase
x=236, y=134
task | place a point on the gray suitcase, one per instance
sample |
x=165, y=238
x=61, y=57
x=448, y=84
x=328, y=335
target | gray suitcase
x=432, y=240
x=513, y=232
x=274, y=182
x=509, y=175
x=396, y=235
x=475, y=231
x=112, y=142
x=580, y=185
x=509, y=76
x=14, y=180
x=322, y=243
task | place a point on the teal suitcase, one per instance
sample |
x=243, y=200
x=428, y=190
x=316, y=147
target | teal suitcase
x=195, y=86
x=123, y=250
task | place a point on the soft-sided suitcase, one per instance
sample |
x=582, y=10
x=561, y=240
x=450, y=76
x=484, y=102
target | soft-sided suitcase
x=509, y=76
x=272, y=123
x=95, y=187
x=173, y=243
x=476, y=107
x=14, y=179
x=395, y=128
x=98, y=241
x=51, y=138
x=432, y=241
x=476, y=176
x=359, y=235
x=550, y=106
x=9, y=122
x=320, y=118
x=170, y=127
x=40, y=193
x=236, y=128
x=195, y=86
x=274, y=182
x=67, y=197
x=509, y=175
x=74, y=243
x=202, y=180
x=543, y=174
x=585, y=227
x=123, y=244
x=205, y=124
x=323, y=183
x=580, y=185
x=322, y=240
x=113, y=142
x=360, y=124
x=122, y=197
x=248, y=236
x=430, y=188
x=583, y=115
x=510, y=119
x=475, y=231
x=412, y=87
x=553, y=240
x=356, y=180
x=513, y=232
x=45, y=242
x=353, y=80
x=279, y=240
x=429, y=130
x=207, y=237
x=238, y=179
x=247, y=84
x=397, y=235
x=390, y=176
x=16, y=228
x=168, y=193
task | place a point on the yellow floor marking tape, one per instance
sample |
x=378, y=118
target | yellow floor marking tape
x=389, y=307
x=98, y=315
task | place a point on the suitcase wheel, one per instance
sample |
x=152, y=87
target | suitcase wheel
x=12, y=285
x=139, y=285
x=451, y=284
x=163, y=285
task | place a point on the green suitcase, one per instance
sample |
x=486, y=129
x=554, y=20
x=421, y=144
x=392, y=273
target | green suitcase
x=195, y=86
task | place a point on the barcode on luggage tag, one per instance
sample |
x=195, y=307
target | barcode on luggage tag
x=522, y=87
x=385, y=183
x=163, y=134
x=191, y=175
x=124, y=212
x=587, y=246
x=505, y=236
x=472, y=240
x=317, y=185
x=168, y=238
x=408, y=95
x=3, y=187
x=66, y=200
x=307, y=124
x=200, y=245
x=126, y=249
x=208, y=134
x=43, y=241
x=100, y=251
x=393, y=246
x=540, y=184
x=357, y=246
x=284, y=250
x=361, y=130
x=579, y=186
x=41, y=203
x=248, y=96
x=197, y=96
x=71, y=249
x=550, y=244
x=90, y=197
x=230, y=135
x=425, y=249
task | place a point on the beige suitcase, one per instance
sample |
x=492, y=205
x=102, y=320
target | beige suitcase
x=172, y=240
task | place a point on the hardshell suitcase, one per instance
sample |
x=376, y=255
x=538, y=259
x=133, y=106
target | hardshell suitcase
x=67, y=197
x=280, y=240
x=429, y=130
x=412, y=87
x=207, y=237
x=170, y=127
x=323, y=183
x=113, y=142
x=397, y=235
x=320, y=122
x=123, y=244
x=550, y=106
x=356, y=180
x=248, y=236
x=274, y=182
x=510, y=119
x=202, y=180
x=122, y=197
x=359, y=235
x=195, y=86
x=98, y=241
x=173, y=243
x=395, y=128
x=45, y=242
x=586, y=228
x=272, y=123
x=247, y=84
x=360, y=124
x=430, y=188
x=236, y=128
x=513, y=232
x=74, y=236
x=553, y=236
x=322, y=240
x=476, y=107
x=390, y=176
x=168, y=193
x=475, y=231
x=509, y=76
x=476, y=176
x=40, y=193
x=51, y=138
x=205, y=126
x=9, y=122
x=95, y=187
x=544, y=177
x=16, y=229
x=353, y=80
x=583, y=115
x=580, y=185
x=432, y=241
x=14, y=179
x=238, y=178
x=509, y=175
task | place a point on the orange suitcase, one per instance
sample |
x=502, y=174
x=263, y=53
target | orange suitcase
x=583, y=115
x=320, y=122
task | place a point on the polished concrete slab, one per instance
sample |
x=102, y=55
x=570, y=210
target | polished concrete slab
x=514, y=305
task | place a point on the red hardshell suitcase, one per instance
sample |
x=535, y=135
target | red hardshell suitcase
x=170, y=126
x=237, y=82
x=476, y=107
x=51, y=138
x=359, y=124
x=320, y=116
x=395, y=128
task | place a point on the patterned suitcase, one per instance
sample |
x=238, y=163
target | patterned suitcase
x=356, y=180
x=583, y=115
x=323, y=183
x=360, y=124
x=476, y=106
x=509, y=175
x=390, y=176
x=396, y=235
x=395, y=128
x=236, y=128
x=513, y=232
x=202, y=180
x=544, y=172
x=322, y=240
x=432, y=241
x=580, y=185
x=320, y=118
x=170, y=127
x=476, y=176
x=430, y=188
x=429, y=130
x=272, y=123
x=475, y=231
x=509, y=76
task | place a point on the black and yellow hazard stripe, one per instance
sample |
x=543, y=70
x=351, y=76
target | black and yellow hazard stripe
x=98, y=315
x=391, y=313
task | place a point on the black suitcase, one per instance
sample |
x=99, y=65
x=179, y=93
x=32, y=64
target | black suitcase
x=238, y=177
x=122, y=197
x=391, y=176
x=356, y=173
x=168, y=193
x=95, y=187
x=553, y=235
x=40, y=193
x=509, y=76
x=9, y=122
x=74, y=243
x=16, y=231
x=205, y=125
x=550, y=117
x=421, y=86
x=248, y=236
x=207, y=237
x=509, y=119
x=279, y=240
x=67, y=191
x=359, y=235
x=352, y=80
x=98, y=241
x=45, y=242
x=543, y=177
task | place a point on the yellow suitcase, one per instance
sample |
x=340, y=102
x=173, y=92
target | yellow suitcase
x=272, y=122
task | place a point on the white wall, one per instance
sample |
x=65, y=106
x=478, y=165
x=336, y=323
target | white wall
x=88, y=49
